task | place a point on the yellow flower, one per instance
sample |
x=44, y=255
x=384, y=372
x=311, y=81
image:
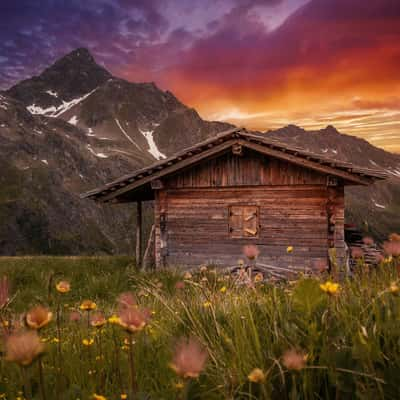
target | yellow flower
x=88, y=305
x=223, y=289
x=330, y=287
x=289, y=249
x=124, y=396
x=114, y=319
x=256, y=376
x=2, y=395
x=38, y=317
x=98, y=397
x=87, y=342
x=207, y=304
x=63, y=287
x=259, y=277
x=394, y=288
x=55, y=340
x=179, y=385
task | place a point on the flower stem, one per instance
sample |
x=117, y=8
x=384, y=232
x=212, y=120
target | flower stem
x=41, y=379
x=132, y=367
x=27, y=383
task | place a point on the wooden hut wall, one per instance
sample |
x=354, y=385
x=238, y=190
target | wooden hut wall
x=294, y=205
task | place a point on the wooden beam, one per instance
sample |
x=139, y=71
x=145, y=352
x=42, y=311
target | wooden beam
x=146, y=257
x=139, y=234
x=169, y=169
x=325, y=169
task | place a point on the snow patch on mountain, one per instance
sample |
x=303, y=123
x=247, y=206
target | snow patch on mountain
x=125, y=133
x=153, y=149
x=100, y=155
x=54, y=111
x=51, y=93
x=379, y=205
x=3, y=103
x=90, y=132
x=73, y=120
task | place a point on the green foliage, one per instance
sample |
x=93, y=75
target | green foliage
x=351, y=339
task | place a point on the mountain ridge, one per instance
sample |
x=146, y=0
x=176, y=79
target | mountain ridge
x=71, y=136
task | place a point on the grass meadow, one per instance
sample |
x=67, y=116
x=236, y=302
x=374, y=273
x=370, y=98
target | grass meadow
x=301, y=339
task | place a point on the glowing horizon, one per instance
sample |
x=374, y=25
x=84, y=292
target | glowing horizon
x=261, y=64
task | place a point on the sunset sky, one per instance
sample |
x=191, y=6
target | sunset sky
x=260, y=64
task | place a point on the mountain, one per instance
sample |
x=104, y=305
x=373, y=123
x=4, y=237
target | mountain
x=75, y=126
x=376, y=208
x=72, y=128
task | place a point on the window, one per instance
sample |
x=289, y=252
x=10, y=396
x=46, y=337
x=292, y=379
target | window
x=244, y=222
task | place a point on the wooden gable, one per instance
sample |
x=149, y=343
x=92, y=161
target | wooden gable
x=138, y=185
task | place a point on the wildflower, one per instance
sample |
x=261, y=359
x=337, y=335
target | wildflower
x=179, y=285
x=74, y=316
x=189, y=359
x=394, y=288
x=187, y=275
x=97, y=320
x=4, y=292
x=207, y=304
x=63, y=287
x=134, y=319
x=87, y=342
x=289, y=249
x=179, y=385
x=55, y=340
x=330, y=287
x=357, y=252
x=126, y=300
x=394, y=237
x=392, y=248
x=259, y=277
x=124, y=396
x=38, y=317
x=223, y=289
x=368, y=240
x=98, y=397
x=23, y=347
x=88, y=305
x=114, y=319
x=293, y=359
x=251, y=251
x=256, y=376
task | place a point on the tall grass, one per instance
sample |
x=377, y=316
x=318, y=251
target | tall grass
x=351, y=339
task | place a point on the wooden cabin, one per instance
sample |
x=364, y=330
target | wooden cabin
x=241, y=188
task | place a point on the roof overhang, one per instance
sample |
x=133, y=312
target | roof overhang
x=138, y=184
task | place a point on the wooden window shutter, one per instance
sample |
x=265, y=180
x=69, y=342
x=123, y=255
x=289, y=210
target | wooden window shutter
x=244, y=221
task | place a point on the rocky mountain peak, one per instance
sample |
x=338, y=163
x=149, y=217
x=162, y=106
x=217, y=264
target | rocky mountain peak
x=73, y=75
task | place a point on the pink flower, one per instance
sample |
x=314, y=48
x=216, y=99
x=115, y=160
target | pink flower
x=179, y=285
x=74, y=316
x=134, y=319
x=368, y=240
x=189, y=359
x=126, y=300
x=251, y=251
x=392, y=248
x=23, y=347
x=356, y=252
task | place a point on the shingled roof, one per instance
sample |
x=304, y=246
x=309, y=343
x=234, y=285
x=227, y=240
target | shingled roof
x=140, y=180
